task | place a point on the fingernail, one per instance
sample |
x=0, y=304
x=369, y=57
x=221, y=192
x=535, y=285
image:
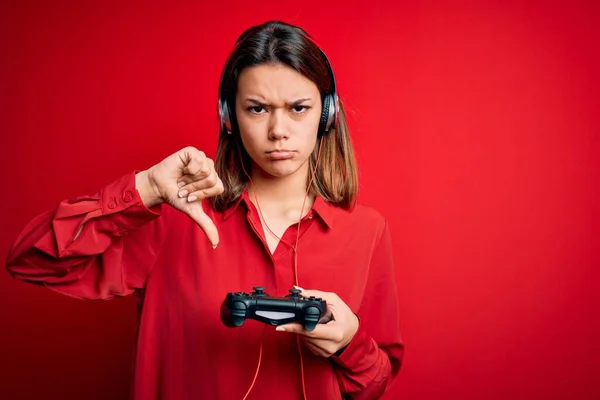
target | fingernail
x=214, y=246
x=192, y=198
x=298, y=287
x=280, y=328
x=183, y=193
x=181, y=184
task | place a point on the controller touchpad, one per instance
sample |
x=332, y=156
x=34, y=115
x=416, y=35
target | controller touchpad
x=274, y=314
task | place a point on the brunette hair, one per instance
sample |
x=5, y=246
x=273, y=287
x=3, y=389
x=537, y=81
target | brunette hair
x=276, y=42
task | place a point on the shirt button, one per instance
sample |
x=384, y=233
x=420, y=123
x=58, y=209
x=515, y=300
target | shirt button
x=127, y=196
x=112, y=203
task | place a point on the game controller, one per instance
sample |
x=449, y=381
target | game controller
x=271, y=310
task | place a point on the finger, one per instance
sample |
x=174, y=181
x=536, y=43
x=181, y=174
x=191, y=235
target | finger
x=327, y=296
x=206, y=193
x=331, y=299
x=196, y=212
x=196, y=185
x=292, y=328
x=328, y=331
x=196, y=163
x=184, y=180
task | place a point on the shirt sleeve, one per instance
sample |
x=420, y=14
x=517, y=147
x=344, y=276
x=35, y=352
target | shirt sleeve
x=91, y=247
x=372, y=360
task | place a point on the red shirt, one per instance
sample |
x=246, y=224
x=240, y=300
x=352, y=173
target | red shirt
x=110, y=244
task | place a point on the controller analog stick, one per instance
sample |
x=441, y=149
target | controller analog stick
x=259, y=291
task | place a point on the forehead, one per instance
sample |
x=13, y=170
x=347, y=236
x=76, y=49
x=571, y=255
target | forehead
x=276, y=80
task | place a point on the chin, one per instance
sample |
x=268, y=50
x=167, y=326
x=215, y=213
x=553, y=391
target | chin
x=280, y=169
x=281, y=172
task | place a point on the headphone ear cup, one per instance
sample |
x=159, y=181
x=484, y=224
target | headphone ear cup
x=327, y=115
x=225, y=117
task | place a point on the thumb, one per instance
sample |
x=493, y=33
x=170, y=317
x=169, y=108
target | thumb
x=293, y=327
x=196, y=212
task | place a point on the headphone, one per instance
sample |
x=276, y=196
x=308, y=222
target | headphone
x=330, y=111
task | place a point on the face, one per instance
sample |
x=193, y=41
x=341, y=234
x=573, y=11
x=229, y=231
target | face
x=278, y=112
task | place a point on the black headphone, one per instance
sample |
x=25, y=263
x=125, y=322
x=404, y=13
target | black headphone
x=329, y=115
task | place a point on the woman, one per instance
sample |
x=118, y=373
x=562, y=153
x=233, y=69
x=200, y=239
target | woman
x=277, y=209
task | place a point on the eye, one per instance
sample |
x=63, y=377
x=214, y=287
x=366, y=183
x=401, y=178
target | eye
x=256, y=109
x=300, y=109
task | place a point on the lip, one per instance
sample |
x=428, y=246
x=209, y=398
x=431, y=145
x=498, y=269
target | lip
x=280, y=154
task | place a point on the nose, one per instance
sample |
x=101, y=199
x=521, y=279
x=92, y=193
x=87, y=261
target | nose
x=277, y=125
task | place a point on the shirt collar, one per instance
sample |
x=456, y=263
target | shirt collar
x=325, y=210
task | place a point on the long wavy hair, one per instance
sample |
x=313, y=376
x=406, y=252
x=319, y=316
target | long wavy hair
x=276, y=42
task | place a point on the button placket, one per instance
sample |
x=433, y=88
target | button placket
x=256, y=226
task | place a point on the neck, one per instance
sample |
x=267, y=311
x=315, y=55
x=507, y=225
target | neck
x=280, y=194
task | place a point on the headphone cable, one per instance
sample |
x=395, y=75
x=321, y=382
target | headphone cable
x=295, y=250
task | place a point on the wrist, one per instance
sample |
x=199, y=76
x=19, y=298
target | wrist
x=351, y=335
x=146, y=188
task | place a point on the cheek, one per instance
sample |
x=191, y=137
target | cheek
x=308, y=131
x=250, y=143
x=251, y=134
x=247, y=125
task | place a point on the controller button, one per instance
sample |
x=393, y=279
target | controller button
x=238, y=305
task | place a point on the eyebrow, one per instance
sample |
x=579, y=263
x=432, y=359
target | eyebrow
x=294, y=103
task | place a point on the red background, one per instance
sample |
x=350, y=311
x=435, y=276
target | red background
x=476, y=127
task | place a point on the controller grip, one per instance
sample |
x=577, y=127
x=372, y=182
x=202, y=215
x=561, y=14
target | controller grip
x=233, y=316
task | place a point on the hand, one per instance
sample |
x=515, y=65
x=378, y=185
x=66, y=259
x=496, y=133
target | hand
x=327, y=338
x=183, y=180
